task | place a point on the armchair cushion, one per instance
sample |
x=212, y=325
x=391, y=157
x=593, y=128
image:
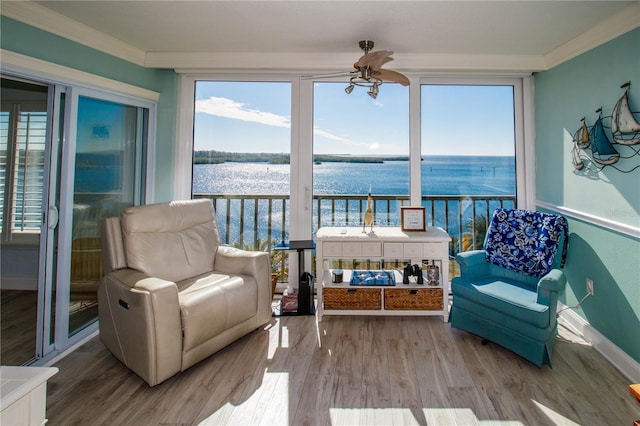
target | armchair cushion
x=507, y=297
x=172, y=241
x=526, y=241
x=213, y=303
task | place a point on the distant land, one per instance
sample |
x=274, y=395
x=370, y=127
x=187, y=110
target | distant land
x=217, y=157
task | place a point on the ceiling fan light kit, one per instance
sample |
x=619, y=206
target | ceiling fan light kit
x=368, y=71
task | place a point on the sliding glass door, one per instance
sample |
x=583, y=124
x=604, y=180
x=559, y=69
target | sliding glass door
x=102, y=173
x=69, y=158
x=110, y=138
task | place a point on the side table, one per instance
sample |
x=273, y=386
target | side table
x=23, y=394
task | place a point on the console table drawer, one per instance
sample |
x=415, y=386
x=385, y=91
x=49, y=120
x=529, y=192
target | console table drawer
x=429, y=299
x=436, y=250
x=393, y=250
x=413, y=250
x=361, y=250
x=332, y=249
x=352, y=298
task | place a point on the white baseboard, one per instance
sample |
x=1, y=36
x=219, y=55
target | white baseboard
x=628, y=366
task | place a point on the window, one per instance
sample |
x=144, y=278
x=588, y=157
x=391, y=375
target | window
x=441, y=118
x=241, y=156
x=468, y=157
x=23, y=131
x=360, y=144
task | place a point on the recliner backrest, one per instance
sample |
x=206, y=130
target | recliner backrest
x=173, y=241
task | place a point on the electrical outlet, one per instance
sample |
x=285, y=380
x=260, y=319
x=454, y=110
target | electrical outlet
x=590, y=286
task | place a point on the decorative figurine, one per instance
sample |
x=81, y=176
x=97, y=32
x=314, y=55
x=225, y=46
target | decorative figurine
x=368, y=214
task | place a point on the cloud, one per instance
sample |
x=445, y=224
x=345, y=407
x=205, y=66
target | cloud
x=228, y=108
x=319, y=132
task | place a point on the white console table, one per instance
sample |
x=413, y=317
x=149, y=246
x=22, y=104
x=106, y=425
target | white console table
x=23, y=394
x=384, y=244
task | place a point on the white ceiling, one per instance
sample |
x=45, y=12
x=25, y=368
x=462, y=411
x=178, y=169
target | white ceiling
x=516, y=35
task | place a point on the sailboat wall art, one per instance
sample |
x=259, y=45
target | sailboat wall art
x=611, y=141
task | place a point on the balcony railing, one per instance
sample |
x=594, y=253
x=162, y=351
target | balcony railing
x=259, y=221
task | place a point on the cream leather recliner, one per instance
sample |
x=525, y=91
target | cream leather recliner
x=172, y=295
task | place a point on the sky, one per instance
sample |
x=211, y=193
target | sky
x=256, y=117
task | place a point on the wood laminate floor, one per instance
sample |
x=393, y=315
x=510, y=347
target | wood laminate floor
x=18, y=323
x=18, y=320
x=349, y=371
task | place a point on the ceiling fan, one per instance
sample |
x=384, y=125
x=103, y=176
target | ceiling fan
x=368, y=71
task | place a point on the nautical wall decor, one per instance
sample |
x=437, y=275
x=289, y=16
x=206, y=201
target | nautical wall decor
x=611, y=141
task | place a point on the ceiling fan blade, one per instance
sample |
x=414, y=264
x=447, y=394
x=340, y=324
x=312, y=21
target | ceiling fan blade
x=374, y=60
x=329, y=75
x=394, y=76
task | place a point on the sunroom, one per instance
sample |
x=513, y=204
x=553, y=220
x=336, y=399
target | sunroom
x=207, y=100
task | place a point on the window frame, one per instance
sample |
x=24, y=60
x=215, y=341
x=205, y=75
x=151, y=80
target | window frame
x=524, y=136
x=302, y=134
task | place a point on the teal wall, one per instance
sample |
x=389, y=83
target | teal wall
x=563, y=95
x=24, y=39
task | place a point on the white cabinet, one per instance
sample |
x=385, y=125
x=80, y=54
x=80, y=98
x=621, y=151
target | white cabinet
x=23, y=394
x=385, y=244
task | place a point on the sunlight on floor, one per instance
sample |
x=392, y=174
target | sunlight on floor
x=569, y=334
x=555, y=417
x=258, y=405
x=404, y=416
x=460, y=416
x=372, y=416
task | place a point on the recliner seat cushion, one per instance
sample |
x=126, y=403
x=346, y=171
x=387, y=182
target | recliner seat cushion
x=172, y=241
x=504, y=296
x=213, y=303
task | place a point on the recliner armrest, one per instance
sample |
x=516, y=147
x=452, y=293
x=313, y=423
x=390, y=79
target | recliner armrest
x=236, y=261
x=140, y=323
x=256, y=264
x=473, y=263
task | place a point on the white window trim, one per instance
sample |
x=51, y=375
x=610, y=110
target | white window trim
x=40, y=70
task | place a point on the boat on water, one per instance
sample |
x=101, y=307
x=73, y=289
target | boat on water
x=625, y=129
x=603, y=151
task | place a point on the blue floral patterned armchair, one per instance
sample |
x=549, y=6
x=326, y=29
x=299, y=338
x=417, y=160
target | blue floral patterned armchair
x=508, y=292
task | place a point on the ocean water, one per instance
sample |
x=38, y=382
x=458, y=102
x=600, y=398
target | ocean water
x=440, y=175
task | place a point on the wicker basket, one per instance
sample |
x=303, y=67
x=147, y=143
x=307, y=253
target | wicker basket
x=429, y=299
x=356, y=299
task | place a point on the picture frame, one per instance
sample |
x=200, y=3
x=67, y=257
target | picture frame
x=412, y=219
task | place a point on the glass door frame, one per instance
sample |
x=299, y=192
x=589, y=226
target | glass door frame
x=46, y=284
x=66, y=195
